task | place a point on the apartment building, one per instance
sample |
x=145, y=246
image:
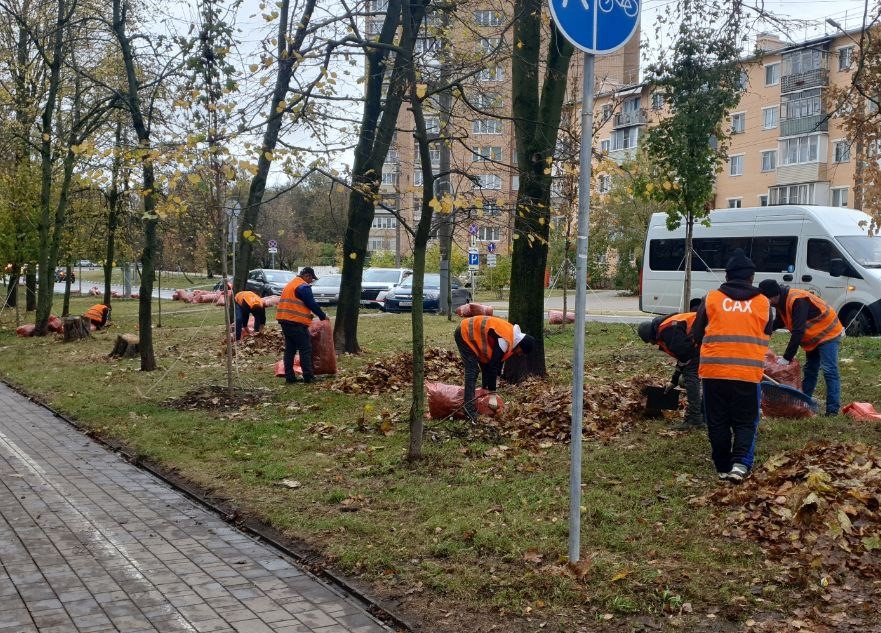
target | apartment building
x=482, y=149
x=785, y=148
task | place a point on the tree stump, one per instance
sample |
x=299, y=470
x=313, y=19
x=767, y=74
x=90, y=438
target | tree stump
x=76, y=328
x=126, y=346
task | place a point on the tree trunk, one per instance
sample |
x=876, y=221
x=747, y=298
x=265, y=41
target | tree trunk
x=126, y=346
x=345, y=329
x=30, y=288
x=12, y=288
x=65, y=308
x=145, y=301
x=76, y=328
x=689, y=233
x=114, y=199
x=537, y=114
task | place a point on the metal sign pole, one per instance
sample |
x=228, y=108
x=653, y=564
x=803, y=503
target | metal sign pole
x=580, y=307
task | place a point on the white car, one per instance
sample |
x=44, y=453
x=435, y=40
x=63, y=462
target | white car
x=326, y=290
x=376, y=282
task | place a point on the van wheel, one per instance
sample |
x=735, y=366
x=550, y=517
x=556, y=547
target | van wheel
x=858, y=322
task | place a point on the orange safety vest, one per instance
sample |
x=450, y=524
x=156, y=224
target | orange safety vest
x=252, y=299
x=686, y=317
x=819, y=330
x=290, y=308
x=96, y=313
x=735, y=341
x=475, y=334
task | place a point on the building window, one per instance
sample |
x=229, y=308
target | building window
x=377, y=244
x=845, y=58
x=417, y=178
x=384, y=222
x=841, y=152
x=772, y=74
x=489, y=44
x=735, y=203
x=486, y=100
x=391, y=156
x=630, y=105
x=515, y=183
x=839, y=196
x=491, y=209
x=769, y=160
x=486, y=126
x=657, y=101
x=738, y=123
x=432, y=125
x=488, y=181
x=425, y=45
x=487, y=18
x=625, y=139
x=605, y=145
x=493, y=73
x=763, y=200
x=735, y=165
x=390, y=176
x=769, y=117
x=744, y=80
x=604, y=183
x=800, y=150
x=607, y=112
x=374, y=27
x=489, y=234
x=801, y=104
x=792, y=194
x=802, y=61
x=486, y=153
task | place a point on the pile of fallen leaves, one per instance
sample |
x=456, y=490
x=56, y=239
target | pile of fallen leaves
x=269, y=341
x=395, y=373
x=538, y=412
x=815, y=510
x=215, y=398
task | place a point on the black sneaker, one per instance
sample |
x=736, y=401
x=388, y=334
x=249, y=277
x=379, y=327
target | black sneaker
x=738, y=473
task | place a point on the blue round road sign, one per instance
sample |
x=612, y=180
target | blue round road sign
x=596, y=26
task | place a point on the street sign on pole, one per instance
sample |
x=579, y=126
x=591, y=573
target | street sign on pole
x=491, y=247
x=472, y=228
x=272, y=246
x=491, y=260
x=473, y=259
x=596, y=27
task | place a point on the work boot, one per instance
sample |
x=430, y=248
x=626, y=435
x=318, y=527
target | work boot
x=690, y=422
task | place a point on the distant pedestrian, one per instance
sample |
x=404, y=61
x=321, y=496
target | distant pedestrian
x=672, y=335
x=732, y=329
x=485, y=342
x=294, y=314
x=813, y=324
x=98, y=315
x=249, y=303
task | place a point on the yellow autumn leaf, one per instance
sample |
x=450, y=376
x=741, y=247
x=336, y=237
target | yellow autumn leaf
x=621, y=575
x=248, y=234
x=281, y=106
x=421, y=89
x=45, y=136
x=254, y=68
x=194, y=179
x=353, y=256
x=268, y=155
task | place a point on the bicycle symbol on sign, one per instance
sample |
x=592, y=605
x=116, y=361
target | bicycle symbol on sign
x=630, y=7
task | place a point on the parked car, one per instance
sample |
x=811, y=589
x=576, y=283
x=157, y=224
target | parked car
x=376, y=282
x=267, y=281
x=327, y=290
x=61, y=275
x=85, y=263
x=400, y=298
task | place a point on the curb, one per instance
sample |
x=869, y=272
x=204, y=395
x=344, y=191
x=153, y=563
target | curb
x=310, y=561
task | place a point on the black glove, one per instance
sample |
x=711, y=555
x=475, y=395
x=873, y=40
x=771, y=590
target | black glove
x=674, y=381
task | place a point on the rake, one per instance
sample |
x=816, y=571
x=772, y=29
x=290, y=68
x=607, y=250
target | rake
x=783, y=401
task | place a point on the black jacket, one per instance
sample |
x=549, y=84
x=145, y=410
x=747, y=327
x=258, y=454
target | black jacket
x=675, y=338
x=802, y=311
x=737, y=290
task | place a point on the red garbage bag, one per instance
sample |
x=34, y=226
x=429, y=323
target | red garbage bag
x=555, y=317
x=220, y=300
x=863, y=411
x=25, y=330
x=55, y=324
x=323, y=350
x=474, y=309
x=279, y=368
x=448, y=400
x=96, y=292
x=789, y=375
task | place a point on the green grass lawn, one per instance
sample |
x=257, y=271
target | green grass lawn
x=468, y=530
x=95, y=276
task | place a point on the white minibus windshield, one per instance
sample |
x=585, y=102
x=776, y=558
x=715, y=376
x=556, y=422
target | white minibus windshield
x=864, y=249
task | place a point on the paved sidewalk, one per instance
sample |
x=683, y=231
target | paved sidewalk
x=90, y=543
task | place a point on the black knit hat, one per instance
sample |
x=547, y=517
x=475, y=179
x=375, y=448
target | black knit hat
x=526, y=344
x=308, y=270
x=770, y=288
x=644, y=330
x=740, y=266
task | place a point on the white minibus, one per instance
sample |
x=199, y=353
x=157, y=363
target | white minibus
x=829, y=251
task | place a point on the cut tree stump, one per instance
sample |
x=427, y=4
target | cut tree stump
x=76, y=328
x=126, y=346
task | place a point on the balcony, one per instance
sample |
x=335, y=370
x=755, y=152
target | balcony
x=621, y=156
x=629, y=119
x=802, y=81
x=805, y=172
x=804, y=125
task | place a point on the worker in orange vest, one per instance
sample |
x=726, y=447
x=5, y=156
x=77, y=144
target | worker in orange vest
x=98, y=314
x=732, y=329
x=485, y=342
x=248, y=303
x=294, y=314
x=672, y=335
x=813, y=325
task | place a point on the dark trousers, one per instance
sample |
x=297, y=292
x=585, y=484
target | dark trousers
x=472, y=368
x=731, y=411
x=692, y=384
x=297, y=339
x=243, y=313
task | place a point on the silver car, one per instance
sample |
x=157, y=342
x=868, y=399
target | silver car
x=326, y=290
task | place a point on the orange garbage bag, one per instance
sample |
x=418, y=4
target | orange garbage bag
x=863, y=411
x=789, y=375
x=448, y=400
x=555, y=317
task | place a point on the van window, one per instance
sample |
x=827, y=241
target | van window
x=667, y=254
x=712, y=253
x=774, y=254
x=820, y=253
